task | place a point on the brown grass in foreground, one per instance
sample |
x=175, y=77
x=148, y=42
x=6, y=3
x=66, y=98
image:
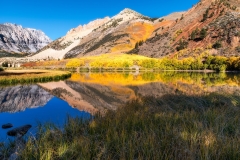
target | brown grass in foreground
x=172, y=127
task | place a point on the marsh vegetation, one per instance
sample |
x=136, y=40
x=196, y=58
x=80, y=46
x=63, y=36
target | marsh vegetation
x=172, y=127
x=11, y=77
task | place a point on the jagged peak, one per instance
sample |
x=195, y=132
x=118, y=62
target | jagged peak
x=21, y=27
x=128, y=14
x=90, y=25
x=129, y=11
x=12, y=25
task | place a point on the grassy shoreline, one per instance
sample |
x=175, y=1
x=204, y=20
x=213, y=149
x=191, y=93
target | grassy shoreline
x=171, y=127
x=10, y=77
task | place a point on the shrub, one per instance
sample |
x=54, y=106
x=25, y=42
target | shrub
x=5, y=64
x=1, y=69
x=217, y=45
x=182, y=17
x=197, y=35
x=160, y=20
x=211, y=15
x=136, y=45
x=182, y=45
x=203, y=33
x=194, y=34
x=237, y=49
x=205, y=15
x=140, y=42
x=234, y=8
x=237, y=34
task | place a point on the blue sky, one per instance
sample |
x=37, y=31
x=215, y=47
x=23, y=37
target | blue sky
x=56, y=17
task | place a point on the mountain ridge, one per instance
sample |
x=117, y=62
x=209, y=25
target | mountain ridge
x=16, y=39
x=110, y=29
x=195, y=31
x=210, y=27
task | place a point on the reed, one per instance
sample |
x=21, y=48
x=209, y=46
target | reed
x=32, y=76
x=172, y=127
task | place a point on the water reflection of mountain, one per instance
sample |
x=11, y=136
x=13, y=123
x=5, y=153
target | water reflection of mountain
x=110, y=97
x=93, y=97
x=18, y=98
x=62, y=90
x=90, y=97
x=99, y=92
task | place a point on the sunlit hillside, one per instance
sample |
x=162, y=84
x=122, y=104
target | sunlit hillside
x=137, y=32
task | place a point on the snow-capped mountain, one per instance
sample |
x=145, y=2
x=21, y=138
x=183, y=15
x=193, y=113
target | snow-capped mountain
x=14, y=38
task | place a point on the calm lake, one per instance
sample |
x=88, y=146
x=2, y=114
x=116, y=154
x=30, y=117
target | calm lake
x=87, y=93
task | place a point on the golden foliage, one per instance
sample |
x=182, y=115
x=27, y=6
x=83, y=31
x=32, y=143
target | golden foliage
x=115, y=60
x=137, y=32
x=75, y=63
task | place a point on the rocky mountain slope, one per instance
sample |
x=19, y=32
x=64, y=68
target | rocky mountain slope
x=19, y=98
x=58, y=48
x=172, y=16
x=16, y=39
x=211, y=26
x=119, y=33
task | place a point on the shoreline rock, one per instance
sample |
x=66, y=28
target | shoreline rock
x=6, y=126
x=19, y=131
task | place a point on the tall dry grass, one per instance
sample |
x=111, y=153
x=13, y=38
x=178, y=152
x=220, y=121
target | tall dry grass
x=171, y=127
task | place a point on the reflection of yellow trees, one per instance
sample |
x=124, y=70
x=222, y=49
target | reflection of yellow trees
x=109, y=78
x=200, y=79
